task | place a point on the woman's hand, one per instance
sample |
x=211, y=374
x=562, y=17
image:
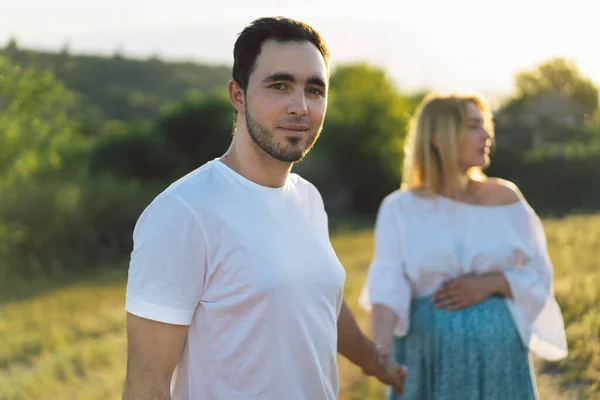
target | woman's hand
x=467, y=291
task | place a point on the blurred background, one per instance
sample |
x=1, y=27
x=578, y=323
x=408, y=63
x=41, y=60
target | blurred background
x=103, y=105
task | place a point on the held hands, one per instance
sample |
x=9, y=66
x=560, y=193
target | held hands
x=387, y=371
x=464, y=291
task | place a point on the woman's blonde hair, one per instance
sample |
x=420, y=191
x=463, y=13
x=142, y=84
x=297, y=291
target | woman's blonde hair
x=426, y=166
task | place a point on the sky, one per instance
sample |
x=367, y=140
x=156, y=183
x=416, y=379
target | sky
x=459, y=45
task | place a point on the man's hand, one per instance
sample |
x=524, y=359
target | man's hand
x=387, y=371
x=361, y=351
x=467, y=291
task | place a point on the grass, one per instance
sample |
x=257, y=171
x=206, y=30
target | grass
x=65, y=339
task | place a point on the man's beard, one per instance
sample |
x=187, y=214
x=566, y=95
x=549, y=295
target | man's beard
x=293, y=152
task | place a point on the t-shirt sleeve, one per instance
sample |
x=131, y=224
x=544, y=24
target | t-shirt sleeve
x=168, y=263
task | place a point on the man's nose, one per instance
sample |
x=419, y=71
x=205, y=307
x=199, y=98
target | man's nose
x=298, y=104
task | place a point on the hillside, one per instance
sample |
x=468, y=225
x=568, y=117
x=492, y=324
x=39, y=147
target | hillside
x=123, y=88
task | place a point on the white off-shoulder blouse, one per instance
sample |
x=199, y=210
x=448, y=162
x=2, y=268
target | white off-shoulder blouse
x=422, y=242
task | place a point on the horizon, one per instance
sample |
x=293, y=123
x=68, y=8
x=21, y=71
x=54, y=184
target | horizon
x=430, y=45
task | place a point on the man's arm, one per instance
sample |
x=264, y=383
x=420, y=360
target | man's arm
x=164, y=287
x=353, y=344
x=362, y=352
x=153, y=350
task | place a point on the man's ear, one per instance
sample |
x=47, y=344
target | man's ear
x=236, y=96
x=434, y=141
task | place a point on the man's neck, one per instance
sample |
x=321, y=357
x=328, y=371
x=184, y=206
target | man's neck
x=250, y=161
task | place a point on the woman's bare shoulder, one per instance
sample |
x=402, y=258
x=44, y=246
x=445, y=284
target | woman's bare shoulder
x=501, y=191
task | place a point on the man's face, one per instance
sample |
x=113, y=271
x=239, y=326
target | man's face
x=286, y=99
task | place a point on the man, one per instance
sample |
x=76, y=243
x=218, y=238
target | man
x=234, y=289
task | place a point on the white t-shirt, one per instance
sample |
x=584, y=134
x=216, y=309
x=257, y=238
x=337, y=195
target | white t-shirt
x=252, y=271
x=421, y=242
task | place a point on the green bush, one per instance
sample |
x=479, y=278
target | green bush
x=128, y=151
x=192, y=132
x=196, y=130
x=557, y=179
x=50, y=227
x=363, y=136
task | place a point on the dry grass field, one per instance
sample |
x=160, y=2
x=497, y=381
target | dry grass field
x=66, y=340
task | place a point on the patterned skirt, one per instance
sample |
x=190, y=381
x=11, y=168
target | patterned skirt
x=472, y=354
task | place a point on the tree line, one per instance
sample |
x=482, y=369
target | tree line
x=80, y=161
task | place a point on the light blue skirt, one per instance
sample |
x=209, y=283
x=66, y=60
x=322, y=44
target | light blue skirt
x=472, y=354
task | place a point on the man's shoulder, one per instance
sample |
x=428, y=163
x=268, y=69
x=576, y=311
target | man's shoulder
x=194, y=180
x=199, y=187
x=181, y=194
x=302, y=184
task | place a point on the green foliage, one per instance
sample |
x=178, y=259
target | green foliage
x=80, y=159
x=71, y=195
x=557, y=179
x=196, y=130
x=122, y=88
x=39, y=137
x=558, y=74
x=128, y=150
x=592, y=128
x=364, y=133
x=414, y=99
x=192, y=132
x=41, y=154
x=50, y=226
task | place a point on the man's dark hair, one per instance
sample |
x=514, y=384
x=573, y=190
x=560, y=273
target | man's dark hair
x=249, y=42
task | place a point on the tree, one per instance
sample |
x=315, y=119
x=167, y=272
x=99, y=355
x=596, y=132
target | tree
x=11, y=45
x=558, y=74
x=38, y=135
x=66, y=49
x=127, y=150
x=364, y=134
x=41, y=154
x=197, y=129
x=414, y=99
x=193, y=131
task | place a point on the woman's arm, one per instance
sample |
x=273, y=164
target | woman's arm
x=383, y=320
x=471, y=289
x=497, y=284
x=387, y=291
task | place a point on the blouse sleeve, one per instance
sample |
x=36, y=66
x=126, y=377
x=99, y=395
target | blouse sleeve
x=386, y=281
x=534, y=308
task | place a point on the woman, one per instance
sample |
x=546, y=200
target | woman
x=460, y=286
